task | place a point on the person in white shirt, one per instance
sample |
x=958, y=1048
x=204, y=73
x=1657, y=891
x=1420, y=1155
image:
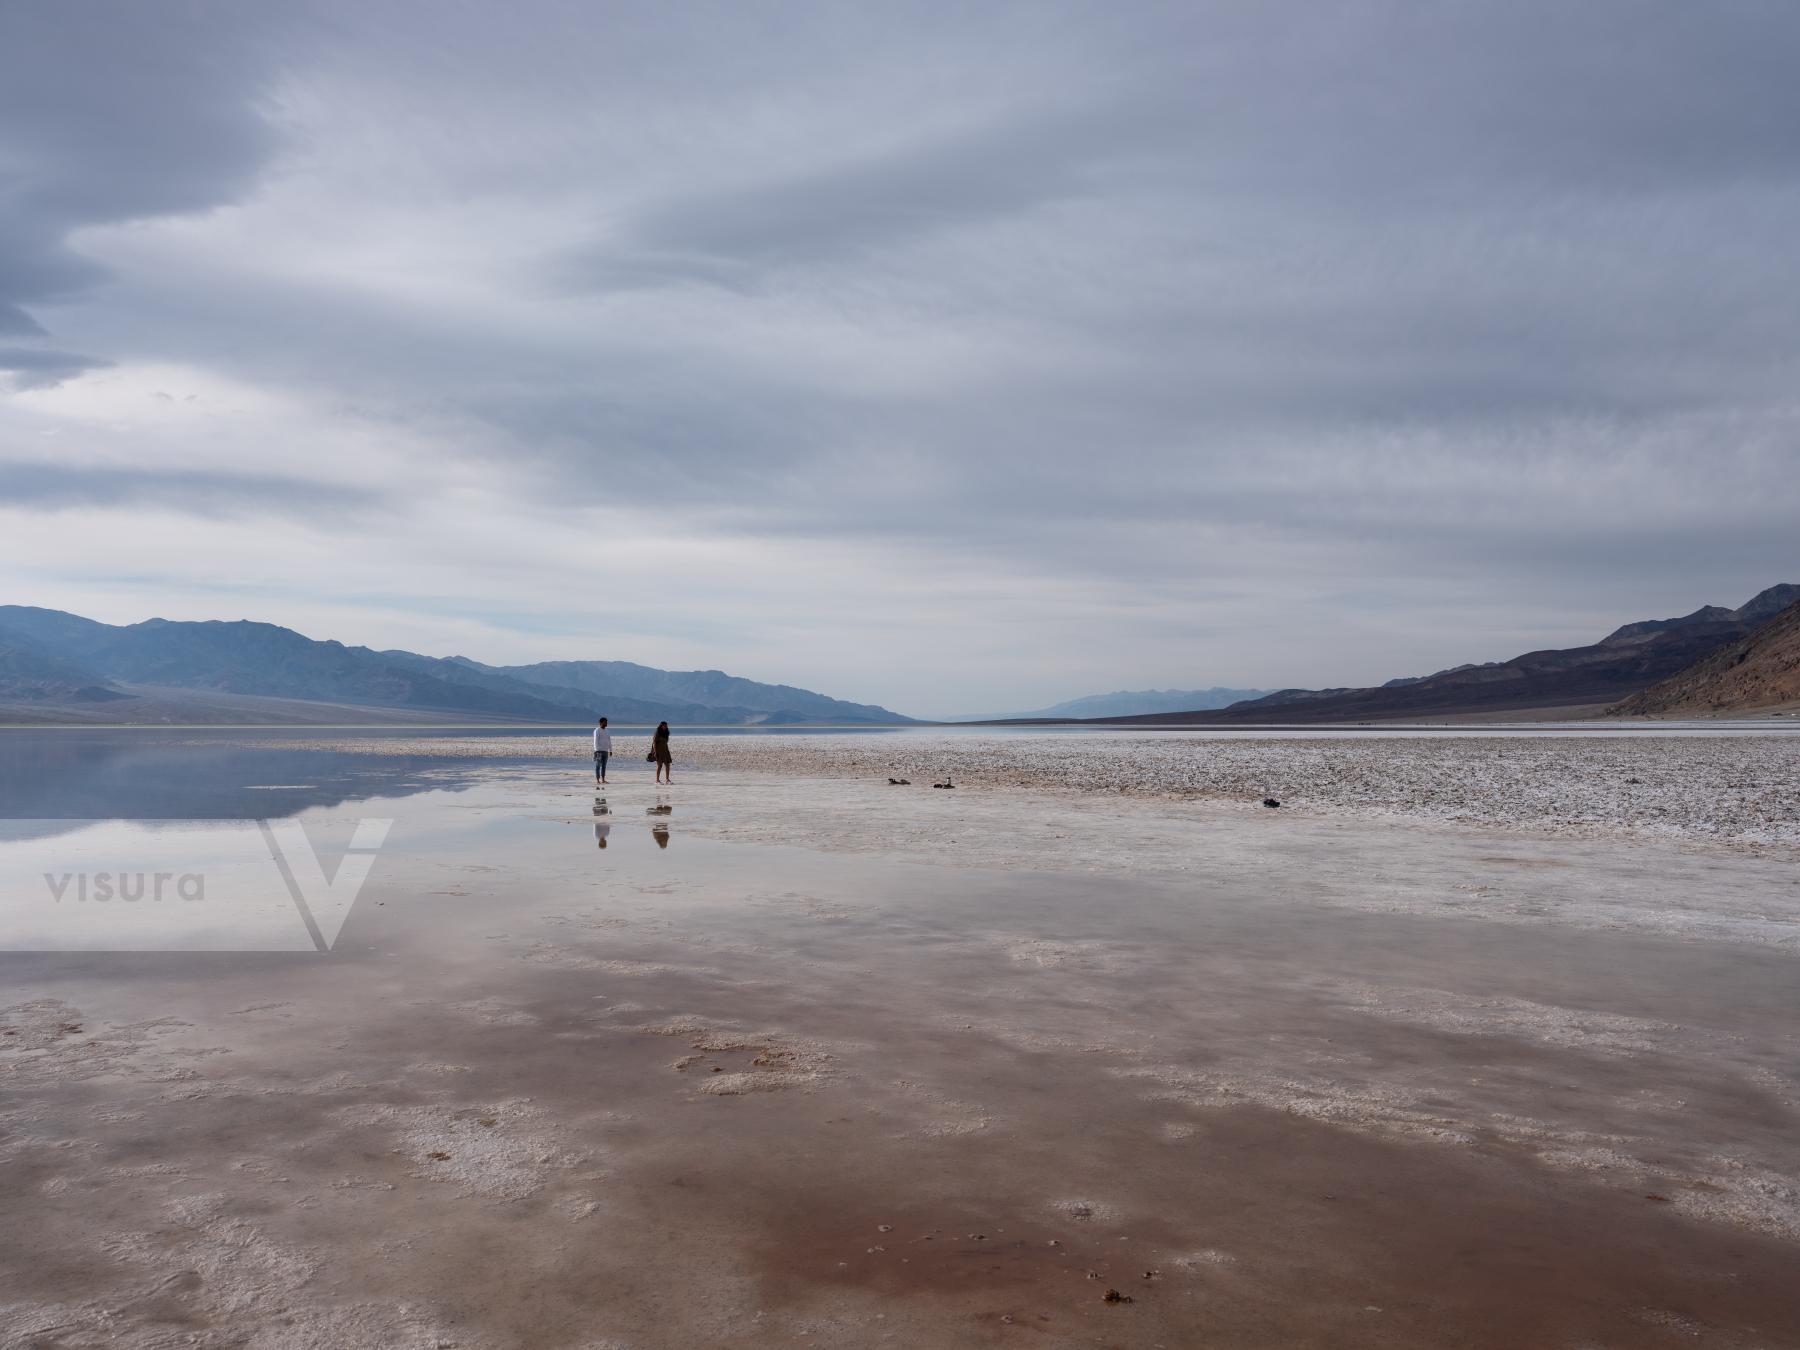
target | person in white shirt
x=602, y=750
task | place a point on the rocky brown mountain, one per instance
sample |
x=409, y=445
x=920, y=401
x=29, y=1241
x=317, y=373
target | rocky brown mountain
x=1758, y=671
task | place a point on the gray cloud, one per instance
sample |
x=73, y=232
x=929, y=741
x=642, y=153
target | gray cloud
x=38, y=367
x=53, y=486
x=114, y=112
x=15, y=320
x=848, y=211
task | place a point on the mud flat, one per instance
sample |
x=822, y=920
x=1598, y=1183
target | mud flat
x=799, y=1058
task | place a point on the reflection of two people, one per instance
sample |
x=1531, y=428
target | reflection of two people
x=659, y=831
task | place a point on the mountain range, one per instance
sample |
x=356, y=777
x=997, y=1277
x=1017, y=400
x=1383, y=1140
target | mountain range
x=1126, y=703
x=57, y=667
x=1624, y=662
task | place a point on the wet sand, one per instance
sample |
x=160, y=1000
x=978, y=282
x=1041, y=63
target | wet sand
x=799, y=1061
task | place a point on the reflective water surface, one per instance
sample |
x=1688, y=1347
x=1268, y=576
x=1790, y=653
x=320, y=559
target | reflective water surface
x=579, y=1069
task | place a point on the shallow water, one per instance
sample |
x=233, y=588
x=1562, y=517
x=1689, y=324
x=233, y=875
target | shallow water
x=586, y=1073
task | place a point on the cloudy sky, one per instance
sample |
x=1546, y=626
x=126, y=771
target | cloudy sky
x=952, y=357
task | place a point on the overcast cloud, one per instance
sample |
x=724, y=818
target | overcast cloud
x=946, y=359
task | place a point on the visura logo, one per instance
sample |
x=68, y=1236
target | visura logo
x=130, y=887
x=183, y=885
x=323, y=904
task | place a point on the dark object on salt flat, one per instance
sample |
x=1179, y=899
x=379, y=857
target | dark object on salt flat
x=945, y=784
x=1270, y=801
x=899, y=782
x=1114, y=1296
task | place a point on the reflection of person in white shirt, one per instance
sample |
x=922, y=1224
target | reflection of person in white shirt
x=602, y=750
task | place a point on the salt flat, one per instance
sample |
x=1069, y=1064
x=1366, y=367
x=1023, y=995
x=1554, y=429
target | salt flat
x=785, y=1055
x=1712, y=786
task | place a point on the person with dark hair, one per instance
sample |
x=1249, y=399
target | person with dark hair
x=659, y=754
x=602, y=750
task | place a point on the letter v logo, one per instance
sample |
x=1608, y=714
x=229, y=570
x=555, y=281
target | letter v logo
x=323, y=905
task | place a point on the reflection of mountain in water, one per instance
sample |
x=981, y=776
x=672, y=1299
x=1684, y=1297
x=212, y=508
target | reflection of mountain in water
x=82, y=776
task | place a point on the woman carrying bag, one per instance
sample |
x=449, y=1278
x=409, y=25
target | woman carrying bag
x=659, y=754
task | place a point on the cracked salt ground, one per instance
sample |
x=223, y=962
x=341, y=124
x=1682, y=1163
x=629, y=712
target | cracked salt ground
x=1259, y=1076
x=201, y=1270
x=506, y=1151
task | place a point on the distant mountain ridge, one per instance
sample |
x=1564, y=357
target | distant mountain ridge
x=1629, y=659
x=49, y=658
x=1128, y=703
x=707, y=688
x=1761, y=670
